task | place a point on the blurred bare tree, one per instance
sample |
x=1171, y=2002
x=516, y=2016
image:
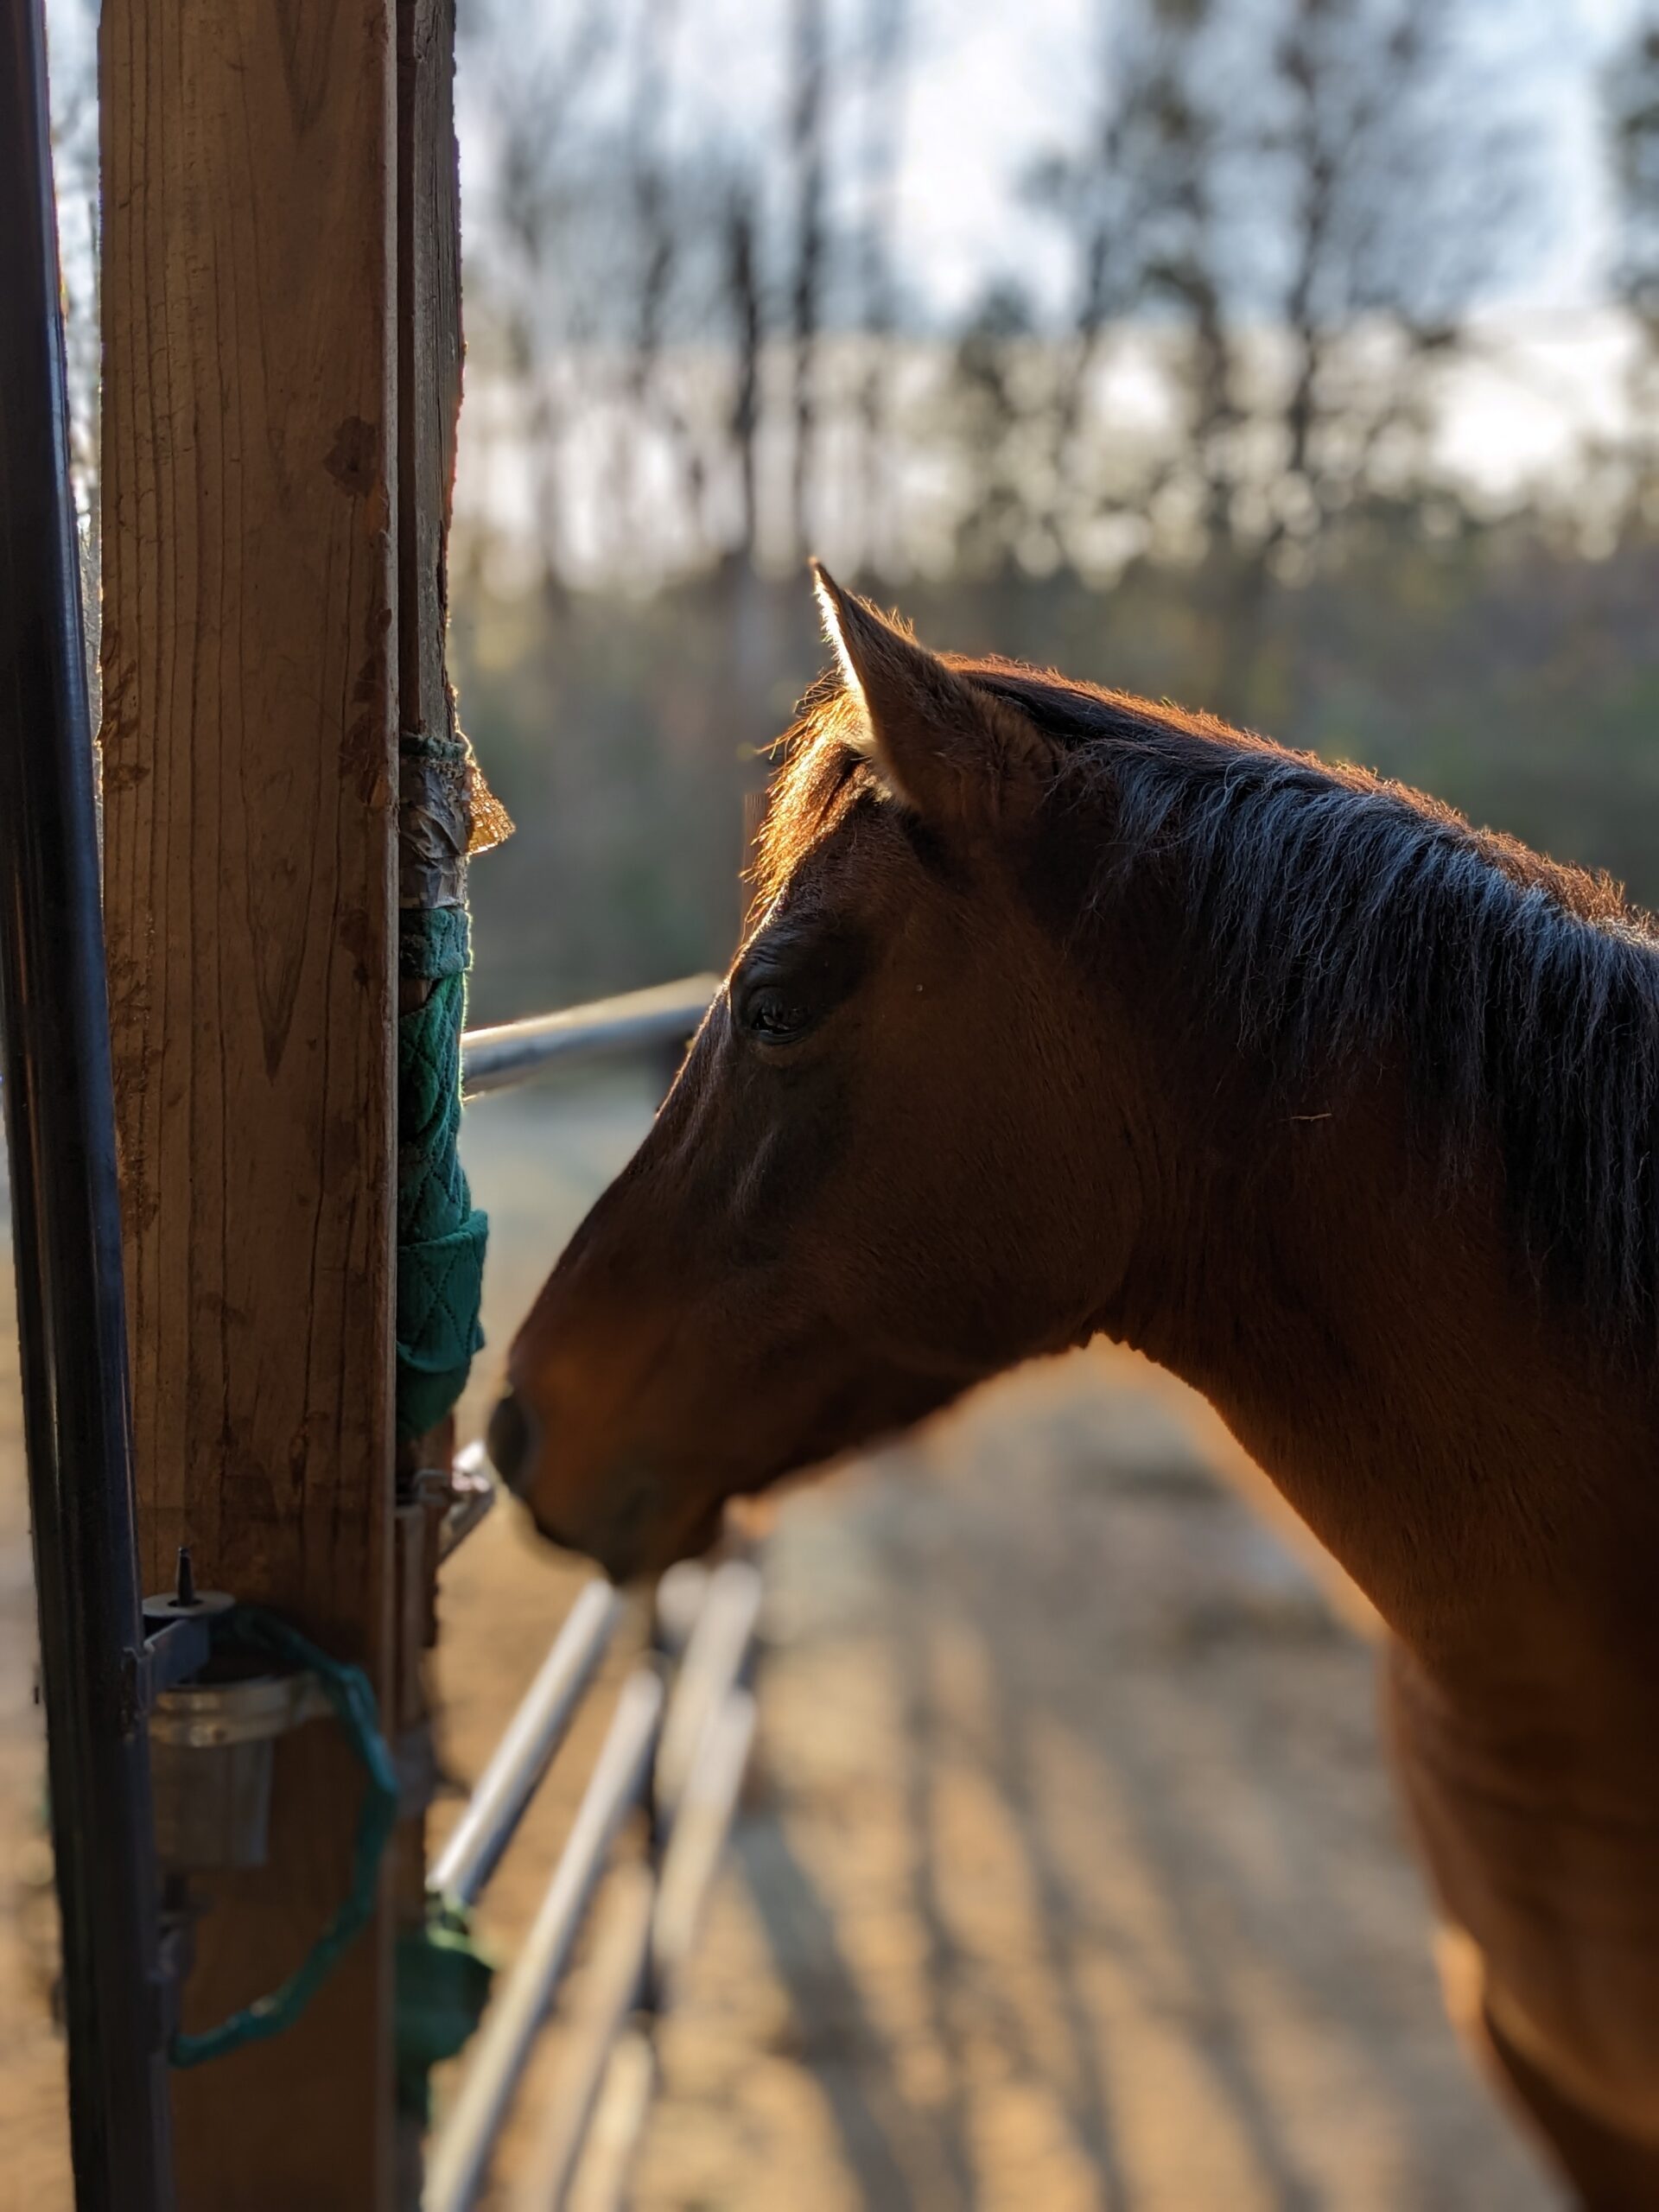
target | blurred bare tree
x=1280, y=218
x=1192, y=423
x=1287, y=215
x=747, y=334
x=1630, y=94
x=887, y=48
x=810, y=249
x=522, y=292
x=1200, y=440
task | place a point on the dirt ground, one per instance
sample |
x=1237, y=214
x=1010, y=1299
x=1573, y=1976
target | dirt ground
x=1069, y=1877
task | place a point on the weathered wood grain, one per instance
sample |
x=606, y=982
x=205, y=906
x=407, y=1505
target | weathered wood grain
x=250, y=683
x=429, y=405
x=429, y=354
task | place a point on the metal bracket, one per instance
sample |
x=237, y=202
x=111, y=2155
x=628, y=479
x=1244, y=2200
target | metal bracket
x=470, y=1491
x=178, y=1635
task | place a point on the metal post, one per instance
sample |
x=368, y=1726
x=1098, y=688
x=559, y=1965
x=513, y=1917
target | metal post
x=55, y=1076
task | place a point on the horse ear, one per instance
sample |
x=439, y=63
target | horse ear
x=948, y=747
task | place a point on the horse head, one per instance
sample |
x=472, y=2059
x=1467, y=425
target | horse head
x=879, y=1176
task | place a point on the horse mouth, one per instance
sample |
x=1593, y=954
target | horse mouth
x=632, y=1543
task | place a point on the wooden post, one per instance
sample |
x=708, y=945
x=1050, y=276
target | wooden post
x=430, y=356
x=250, y=655
x=435, y=818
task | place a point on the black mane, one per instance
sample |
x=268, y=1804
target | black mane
x=1339, y=914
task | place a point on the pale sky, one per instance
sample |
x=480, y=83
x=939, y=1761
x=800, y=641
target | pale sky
x=1014, y=75
x=991, y=86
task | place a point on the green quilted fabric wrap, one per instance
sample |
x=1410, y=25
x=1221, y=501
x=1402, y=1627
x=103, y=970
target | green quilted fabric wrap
x=440, y=1234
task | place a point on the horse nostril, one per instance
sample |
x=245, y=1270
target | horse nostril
x=509, y=1440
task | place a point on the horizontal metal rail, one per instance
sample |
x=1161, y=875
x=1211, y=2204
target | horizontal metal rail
x=612, y=1992
x=526, y=1750
x=715, y=1653
x=618, y=2124
x=677, y=1603
x=687, y=1750
x=648, y=1934
x=637, y=1021
x=601, y=2118
x=702, y=1826
x=695, y=1791
x=461, y=2154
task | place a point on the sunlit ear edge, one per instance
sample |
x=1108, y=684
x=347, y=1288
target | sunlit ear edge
x=833, y=609
x=950, y=791
x=896, y=686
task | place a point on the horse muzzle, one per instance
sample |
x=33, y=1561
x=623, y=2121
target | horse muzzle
x=625, y=1525
x=510, y=1440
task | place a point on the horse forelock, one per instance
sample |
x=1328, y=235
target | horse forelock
x=824, y=765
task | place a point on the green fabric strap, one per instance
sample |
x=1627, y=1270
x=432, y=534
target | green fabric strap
x=440, y=1234
x=250, y=1628
x=444, y=1984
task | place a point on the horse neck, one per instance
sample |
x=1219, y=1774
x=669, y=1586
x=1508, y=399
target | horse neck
x=1369, y=1331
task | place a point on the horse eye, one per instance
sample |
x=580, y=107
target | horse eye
x=775, y=1016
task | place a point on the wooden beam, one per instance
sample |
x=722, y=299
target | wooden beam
x=435, y=814
x=249, y=685
x=430, y=358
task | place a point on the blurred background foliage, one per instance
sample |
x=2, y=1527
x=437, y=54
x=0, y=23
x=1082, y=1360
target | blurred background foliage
x=1298, y=358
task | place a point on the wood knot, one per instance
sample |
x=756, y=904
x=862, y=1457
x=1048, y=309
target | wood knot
x=351, y=458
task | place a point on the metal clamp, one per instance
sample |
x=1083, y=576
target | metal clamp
x=214, y=1719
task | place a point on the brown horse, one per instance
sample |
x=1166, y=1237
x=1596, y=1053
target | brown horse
x=1061, y=1013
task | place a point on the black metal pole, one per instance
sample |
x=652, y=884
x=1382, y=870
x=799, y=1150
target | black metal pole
x=66, y=1231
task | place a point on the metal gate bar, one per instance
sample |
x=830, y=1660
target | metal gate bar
x=602, y=2178
x=711, y=1666
x=526, y=1750
x=685, y=1751
x=637, y=1021
x=615, y=1979
x=461, y=2154
x=67, y=1231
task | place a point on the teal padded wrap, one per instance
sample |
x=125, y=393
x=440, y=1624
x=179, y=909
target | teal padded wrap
x=440, y=1234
